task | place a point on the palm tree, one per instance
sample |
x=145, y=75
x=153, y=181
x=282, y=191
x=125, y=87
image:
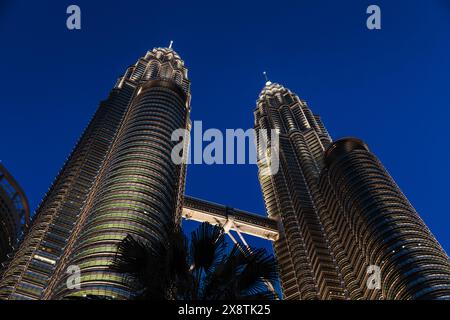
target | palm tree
x=202, y=271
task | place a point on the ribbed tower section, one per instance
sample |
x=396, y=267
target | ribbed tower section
x=147, y=102
x=32, y=265
x=379, y=227
x=292, y=195
x=139, y=190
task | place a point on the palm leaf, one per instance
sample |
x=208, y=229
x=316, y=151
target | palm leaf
x=260, y=267
x=207, y=247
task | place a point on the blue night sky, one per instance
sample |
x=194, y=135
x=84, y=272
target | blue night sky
x=388, y=87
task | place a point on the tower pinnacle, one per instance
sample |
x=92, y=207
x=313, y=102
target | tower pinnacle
x=268, y=83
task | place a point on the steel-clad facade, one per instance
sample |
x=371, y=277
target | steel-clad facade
x=118, y=180
x=341, y=216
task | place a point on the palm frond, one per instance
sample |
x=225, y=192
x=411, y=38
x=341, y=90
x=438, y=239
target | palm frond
x=131, y=256
x=259, y=267
x=242, y=275
x=207, y=247
x=220, y=283
x=143, y=264
x=161, y=270
x=178, y=266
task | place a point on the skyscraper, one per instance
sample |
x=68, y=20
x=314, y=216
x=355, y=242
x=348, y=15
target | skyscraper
x=14, y=213
x=373, y=212
x=346, y=229
x=118, y=180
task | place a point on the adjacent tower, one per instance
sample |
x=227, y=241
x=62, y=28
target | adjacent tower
x=139, y=190
x=378, y=229
x=307, y=261
x=14, y=213
x=119, y=180
x=343, y=221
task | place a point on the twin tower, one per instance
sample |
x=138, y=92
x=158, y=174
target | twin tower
x=345, y=230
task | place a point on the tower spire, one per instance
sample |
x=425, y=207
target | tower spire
x=170, y=44
x=267, y=79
